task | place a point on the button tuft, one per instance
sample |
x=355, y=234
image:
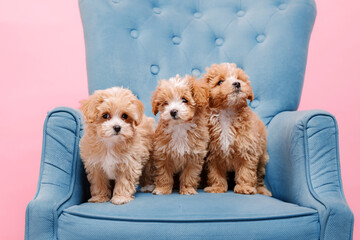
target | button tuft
x=176, y=40
x=154, y=69
x=156, y=10
x=260, y=38
x=197, y=14
x=134, y=33
x=240, y=13
x=196, y=72
x=282, y=6
x=219, y=41
x=255, y=103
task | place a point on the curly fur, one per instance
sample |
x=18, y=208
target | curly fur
x=110, y=155
x=237, y=135
x=181, y=141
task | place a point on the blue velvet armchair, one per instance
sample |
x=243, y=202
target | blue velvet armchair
x=135, y=43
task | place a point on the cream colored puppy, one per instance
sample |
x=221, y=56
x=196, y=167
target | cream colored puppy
x=181, y=137
x=116, y=145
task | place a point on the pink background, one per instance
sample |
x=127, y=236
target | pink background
x=42, y=66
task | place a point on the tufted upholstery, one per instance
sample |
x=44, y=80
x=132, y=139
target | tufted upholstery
x=135, y=43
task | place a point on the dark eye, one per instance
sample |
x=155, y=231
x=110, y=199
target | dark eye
x=106, y=116
x=165, y=103
x=184, y=100
x=220, y=82
x=124, y=116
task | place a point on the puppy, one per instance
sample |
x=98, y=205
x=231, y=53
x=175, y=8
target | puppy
x=237, y=135
x=181, y=137
x=116, y=144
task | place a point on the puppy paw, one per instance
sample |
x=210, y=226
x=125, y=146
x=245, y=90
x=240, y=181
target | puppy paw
x=99, y=199
x=263, y=191
x=215, y=190
x=244, y=189
x=119, y=200
x=147, y=189
x=188, y=191
x=162, y=191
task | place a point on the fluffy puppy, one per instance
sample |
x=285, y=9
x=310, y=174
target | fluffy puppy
x=181, y=137
x=116, y=144
x=237, y=135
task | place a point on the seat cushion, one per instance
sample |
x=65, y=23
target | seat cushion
x=202, y=216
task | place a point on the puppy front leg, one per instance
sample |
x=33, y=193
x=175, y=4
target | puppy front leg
x=124, y=188
x=99, y=185
x=246, y=176
x=216, y=176
x=190, y=176
x=164, y=179
x=147, y=177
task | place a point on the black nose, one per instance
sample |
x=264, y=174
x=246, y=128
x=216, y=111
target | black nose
x=237, y=84
x=173, y=113
x=117, y=128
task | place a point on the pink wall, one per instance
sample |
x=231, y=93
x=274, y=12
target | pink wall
x=332, y=83
x=42, y=65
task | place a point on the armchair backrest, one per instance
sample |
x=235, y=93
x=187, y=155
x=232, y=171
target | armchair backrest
x=135, y=43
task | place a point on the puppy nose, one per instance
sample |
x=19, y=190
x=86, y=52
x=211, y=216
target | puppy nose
x=117, y=128
x=237, y=84
x=173, y=112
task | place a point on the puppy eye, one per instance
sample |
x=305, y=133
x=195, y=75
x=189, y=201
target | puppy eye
x=124, y=116
x=184, y=100
x=166, y=103
x=106, y=116
x=220, y=82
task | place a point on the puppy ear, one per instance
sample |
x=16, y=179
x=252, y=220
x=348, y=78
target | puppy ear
x=211, y=72
x=89, y=106
x=206, y=75
x=242, y=75
x=200, y=91
x=251, y=93
x=155, y=101
x=139, y=111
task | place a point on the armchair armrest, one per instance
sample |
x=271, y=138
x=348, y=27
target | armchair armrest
x=304, y=168
x=62, y=178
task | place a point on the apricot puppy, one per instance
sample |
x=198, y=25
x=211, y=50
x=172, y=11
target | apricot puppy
x=237, y=135
x=181, y=137
x=116, y=144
